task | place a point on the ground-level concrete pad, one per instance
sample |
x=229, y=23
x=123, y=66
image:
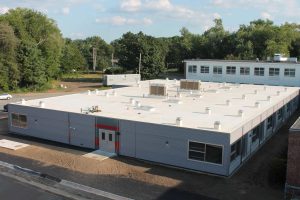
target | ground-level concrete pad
x=99, y=155
x=8, y=144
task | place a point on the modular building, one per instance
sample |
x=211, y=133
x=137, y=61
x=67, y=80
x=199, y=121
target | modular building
x=241, y=71
x=203, y=126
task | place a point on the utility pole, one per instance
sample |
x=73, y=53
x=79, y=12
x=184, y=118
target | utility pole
x=112, y=60
x=140, y=63
x=94, y=58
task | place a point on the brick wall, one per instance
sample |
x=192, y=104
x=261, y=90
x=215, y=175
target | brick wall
x=293, y=166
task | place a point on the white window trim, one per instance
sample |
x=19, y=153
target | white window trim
x=11, y=123
x=218, y=145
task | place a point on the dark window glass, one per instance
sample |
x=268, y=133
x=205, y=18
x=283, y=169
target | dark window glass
x=255, y=134
x=196, y=155
x=110, y=137
x=103, y=136
x=235, y=150
x=18, y=120
x=195, y=146
x=213, y=154
x=269, y=122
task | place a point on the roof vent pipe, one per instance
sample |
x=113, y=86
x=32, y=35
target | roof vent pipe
x=255, y=91
x=138, y=104
x=257, y=104
x=241, y=113
x=269, y=98
x=179, y=121
x=89, y=92
x=217, y=125
x=208, y=110
x=132, y=101
x=285, y=89
x=278, y=93
x=96, y=91
x=42, y=104
x=265, y=88
x=228, y=103
x=106, y=94
x=114, y=93
x=244, y=96
x=23, y=102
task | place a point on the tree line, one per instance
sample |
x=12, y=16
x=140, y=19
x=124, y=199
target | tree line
x=34, y=52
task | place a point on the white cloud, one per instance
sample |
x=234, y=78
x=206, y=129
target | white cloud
x=131, y=5
x=3, y=10
x=65, y=10
x=120, y=21
x=265, y=15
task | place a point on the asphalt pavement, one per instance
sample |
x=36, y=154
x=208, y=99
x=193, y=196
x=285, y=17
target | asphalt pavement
x=12, y=189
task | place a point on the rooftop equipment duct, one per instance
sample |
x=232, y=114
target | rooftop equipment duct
x=190, y=84
x=158, y=89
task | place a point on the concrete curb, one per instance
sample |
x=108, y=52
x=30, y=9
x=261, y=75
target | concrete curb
x=64, y=183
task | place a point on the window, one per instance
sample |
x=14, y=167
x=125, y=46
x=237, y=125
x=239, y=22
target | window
x=110, y=137
x=288, y=107
x=255, y=134
x=280, y=113
x=192, y=69
x=204, y=69
x=269, y=122
x=235, y=150
x=103, y=136
x=230, y=69
x=259, y=71
x=205, y=152
x=289, y=72
x=18, y=120
x=274, y=71
x=245, y=70
x=217, y=70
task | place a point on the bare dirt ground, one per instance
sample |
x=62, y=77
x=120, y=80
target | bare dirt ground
x=142, y=180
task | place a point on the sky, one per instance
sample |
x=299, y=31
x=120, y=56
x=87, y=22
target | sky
x=109, y=19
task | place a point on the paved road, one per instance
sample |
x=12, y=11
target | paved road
x=19, y=97
x=11, y=189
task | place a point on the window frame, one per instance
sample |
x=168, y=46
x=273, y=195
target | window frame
x=192, y=69
x=217, y=70
x=204, y=69
x=280, y=114
x=204, y=152
x=230, y=70
x=18, y=124
x=274, y=72
x=260, y=70
x=245, y=69
x=290, y=72
x=269, y=122
x=238, y=149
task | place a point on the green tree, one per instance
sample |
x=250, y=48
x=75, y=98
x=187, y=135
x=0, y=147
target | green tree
x=34, y=28
x=72, y=58
x=9, y=76
x=104, y=51
x=153, y=52
x=33, y=73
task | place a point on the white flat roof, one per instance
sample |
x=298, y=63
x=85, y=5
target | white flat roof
x=190, y=107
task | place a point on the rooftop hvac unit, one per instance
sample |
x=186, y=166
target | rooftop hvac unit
x=158, y=89
x=190, y=84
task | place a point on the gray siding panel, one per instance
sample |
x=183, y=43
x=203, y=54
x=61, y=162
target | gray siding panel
x=127, y=138
x=82, y=130
x=169, y=145
x=42, y=123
